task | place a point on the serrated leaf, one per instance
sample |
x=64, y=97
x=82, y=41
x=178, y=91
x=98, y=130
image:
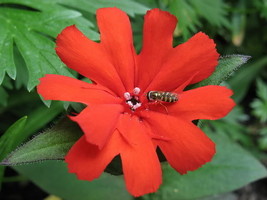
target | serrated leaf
x=10, y=139
x=191, y=12
x=53, y=177
x=246, y=76
x=32, y=25
x=53, y=144
x=259, y=104
x=215, y=8
x=188, y=19
x=7, y=64
x=262, y=90
x=227, y=65
x=129, y=6
x=231, y=168
x=32, y=33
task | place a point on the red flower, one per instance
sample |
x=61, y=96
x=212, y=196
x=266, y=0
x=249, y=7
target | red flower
x=119, y=119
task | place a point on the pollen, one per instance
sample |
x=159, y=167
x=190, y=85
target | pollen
x=127, y=96
x=132, y=99
x=136, y=90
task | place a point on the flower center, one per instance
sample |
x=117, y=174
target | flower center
x=132, y=99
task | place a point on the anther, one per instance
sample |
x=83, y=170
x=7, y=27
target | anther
x=130, y=103
x=134, y=107
x=136, y=90
x=127, y=96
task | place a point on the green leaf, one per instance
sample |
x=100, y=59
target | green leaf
x=3, y=96
x=11, y=139
x=31, y=26
x=187, y=16
x=246, y=76
x=41, y=116
x=231, y=168
x=7, y=64
x=262, y=90
x=239, y=24
x=232, y=126
x=259, y=104
x=32, y=30
x=263, y=143
x=53, y=144
x=53, y=177
x=129, y=6
x=215, y=8
x=227, y=65
x=191, y=12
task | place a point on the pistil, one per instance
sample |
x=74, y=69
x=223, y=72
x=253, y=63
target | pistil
x=133, y=99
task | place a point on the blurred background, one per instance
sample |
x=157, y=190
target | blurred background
x=27, y=34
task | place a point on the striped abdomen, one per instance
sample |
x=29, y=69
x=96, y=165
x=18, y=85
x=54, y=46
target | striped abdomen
x=162, y=96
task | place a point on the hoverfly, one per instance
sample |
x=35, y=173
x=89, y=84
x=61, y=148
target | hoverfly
x=168, y=97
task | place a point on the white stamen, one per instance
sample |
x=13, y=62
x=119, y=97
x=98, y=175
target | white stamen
x=130, y=103
x=136, y=106
x=136, y=90
x=127, y=96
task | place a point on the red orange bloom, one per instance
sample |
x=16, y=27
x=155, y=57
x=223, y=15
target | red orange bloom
x=119, y=119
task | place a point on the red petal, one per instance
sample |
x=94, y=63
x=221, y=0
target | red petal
x=141, y=167
x=88, y=58
x=98, y=122
x=116, y=37
x=197, y=55
x=209, y=102
x=188, y=148
x=157, y=44
x=87, y=161
x=57, y=87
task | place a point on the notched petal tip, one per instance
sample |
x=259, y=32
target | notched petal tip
x=204, y=38
x=203, y=159
x=65, y=35
x=65, y=30
x=87, y=161
x=108, y=10
x=156, y=12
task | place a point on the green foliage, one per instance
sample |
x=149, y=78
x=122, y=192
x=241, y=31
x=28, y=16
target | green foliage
x=41, y=116
x=232, y=127
x=259, y=105
x=53, y=177
x=12, y=137
x=53, y=144
x=28, y=29
x=262, y=140
x=20, y=131
x=241, y=82
x=227, y=65
x=261, y=5
x=31, y=32
x=10, y=140
x=231, y=168
x=129, y=6
x=32, y=25
x=238, y=24
x=3, y=96
x=189, y=14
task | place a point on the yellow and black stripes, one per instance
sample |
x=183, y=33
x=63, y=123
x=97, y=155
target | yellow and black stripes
x=162, y=96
